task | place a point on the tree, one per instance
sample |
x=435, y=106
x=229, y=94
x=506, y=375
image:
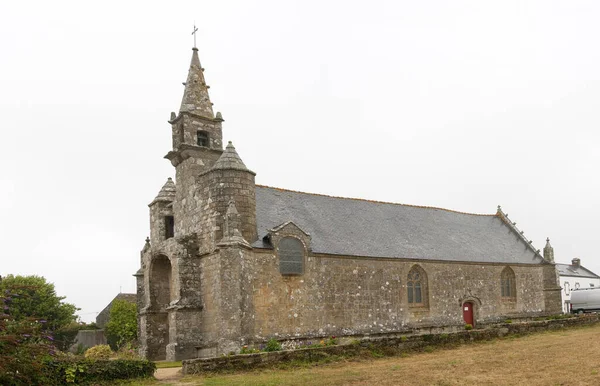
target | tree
x=25, y=343
x=122, y=323
x=34, y=297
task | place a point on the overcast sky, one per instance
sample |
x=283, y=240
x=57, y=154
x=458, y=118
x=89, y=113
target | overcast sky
x=455, y=104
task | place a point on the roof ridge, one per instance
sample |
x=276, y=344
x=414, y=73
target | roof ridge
x=513, y=226
x=379, y=202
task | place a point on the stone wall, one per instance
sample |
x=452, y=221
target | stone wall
x=380, y=345
x=236, y=296
x=87, y=339
x=340, y=295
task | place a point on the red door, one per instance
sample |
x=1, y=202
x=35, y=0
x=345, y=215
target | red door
x=468, y=313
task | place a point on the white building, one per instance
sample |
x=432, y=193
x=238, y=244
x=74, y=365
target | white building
x=574, y=276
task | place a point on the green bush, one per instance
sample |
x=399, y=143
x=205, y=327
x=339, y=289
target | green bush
x=128, y=351
x=273, y=345
x=85, y=371
x=102, y=352
x=468, y=326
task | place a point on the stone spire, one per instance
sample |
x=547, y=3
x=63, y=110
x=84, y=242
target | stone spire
x=195, y=96
x=167, y=192
x=230, y=160
x=548, y=251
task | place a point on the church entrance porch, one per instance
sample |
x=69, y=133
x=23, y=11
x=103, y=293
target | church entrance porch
x=157, y=315
x=468, y=313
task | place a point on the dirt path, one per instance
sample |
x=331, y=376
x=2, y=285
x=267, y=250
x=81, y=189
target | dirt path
x=170, y=374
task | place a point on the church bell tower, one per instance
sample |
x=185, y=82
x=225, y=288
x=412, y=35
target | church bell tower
x=197, y=143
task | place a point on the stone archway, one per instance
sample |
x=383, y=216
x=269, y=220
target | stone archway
x=469, y=308
x=160, y=283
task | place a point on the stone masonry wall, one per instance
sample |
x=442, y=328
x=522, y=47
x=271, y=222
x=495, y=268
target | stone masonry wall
x=383, y=345
x=348, y=295
x=188, y=203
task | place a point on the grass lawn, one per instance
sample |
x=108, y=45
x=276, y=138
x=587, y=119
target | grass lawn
x=167, y=365
x=565, y=357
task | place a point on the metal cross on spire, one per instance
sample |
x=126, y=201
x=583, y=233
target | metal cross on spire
x=194, y=33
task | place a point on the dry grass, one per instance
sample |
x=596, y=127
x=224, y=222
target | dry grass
x=567, y=357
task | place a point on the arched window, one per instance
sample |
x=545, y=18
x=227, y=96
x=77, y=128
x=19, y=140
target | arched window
x=291, y=256
x=508, y=284
x=416, y=287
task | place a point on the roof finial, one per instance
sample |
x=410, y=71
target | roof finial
x=194, y=33
x=548, y=251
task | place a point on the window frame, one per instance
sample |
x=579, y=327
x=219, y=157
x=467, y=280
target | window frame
x=169, y=222
x=205, y=136
x=417, y=294
x=508, y=285
x=281, y=252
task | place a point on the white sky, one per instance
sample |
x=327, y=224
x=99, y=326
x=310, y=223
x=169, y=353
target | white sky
x=456, y=104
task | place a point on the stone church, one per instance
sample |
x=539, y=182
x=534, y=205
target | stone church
x=231, y=263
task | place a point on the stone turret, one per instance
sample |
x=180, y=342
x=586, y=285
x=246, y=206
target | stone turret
x=228, y=180
x=548, y=251
x=161, y=213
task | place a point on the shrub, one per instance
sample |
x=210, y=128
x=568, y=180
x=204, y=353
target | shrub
x=468, y=326
x=25, y=343
x=101, y=351
x=128, y=351
x=273, y=345
x=85, y=371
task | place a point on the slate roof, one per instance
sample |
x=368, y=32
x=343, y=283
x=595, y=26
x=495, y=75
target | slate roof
x=354, y=227
x=230, y=160
x=167, y=192
x=571, y=270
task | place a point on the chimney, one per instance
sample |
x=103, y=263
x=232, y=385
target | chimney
x=576, y=262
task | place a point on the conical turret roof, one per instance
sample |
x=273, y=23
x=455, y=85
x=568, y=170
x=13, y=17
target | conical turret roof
x=195, y=96
x=230, y=160
x=167, y=192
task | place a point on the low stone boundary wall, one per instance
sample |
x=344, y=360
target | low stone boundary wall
x=87, y=339
x=378, y=346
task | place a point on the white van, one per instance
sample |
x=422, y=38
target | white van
x=585, y=300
